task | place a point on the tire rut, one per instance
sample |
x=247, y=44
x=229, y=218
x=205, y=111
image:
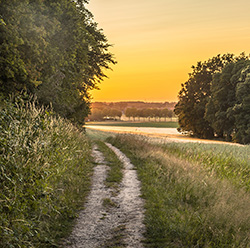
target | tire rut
x=97, y=224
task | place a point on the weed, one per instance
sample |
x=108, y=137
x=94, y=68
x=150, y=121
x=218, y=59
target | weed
x=117, y=238
x=108, y=203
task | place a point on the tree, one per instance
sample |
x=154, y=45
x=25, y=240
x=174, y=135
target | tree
x=223, y=98
x=52, y=49
x=195, y=94
x=241, y=109
x=131, y=112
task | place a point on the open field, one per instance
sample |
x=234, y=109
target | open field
x=165, y=134
x=194, y=195
x=134, y=124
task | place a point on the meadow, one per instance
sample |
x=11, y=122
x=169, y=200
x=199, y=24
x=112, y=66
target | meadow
x=195, y=195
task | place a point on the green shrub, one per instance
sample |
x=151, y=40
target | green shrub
x=44, y=175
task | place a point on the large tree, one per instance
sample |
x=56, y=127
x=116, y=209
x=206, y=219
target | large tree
x=52, y=49
x=241, y=109
x=223, y=98
x=194, y=96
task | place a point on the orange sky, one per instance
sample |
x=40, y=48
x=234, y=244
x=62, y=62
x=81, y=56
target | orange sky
x=157, y=42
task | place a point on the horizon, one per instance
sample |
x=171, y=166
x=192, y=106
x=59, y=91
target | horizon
x=156, y=43
x=135, y=101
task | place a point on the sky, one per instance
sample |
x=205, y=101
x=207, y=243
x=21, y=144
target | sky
x=156, y=42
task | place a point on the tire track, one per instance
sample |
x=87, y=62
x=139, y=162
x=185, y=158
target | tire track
x=96, y=223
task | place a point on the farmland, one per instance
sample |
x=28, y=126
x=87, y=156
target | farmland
x=135, y=124
x=197, y=195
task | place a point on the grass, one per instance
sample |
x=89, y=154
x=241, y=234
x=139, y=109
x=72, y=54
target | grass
x=136, y=124
x=98, y=134
x=186, y=205
x=114, y=175
x=108, y=203
x=116, y=241
x=229, y=162
x=44, y=175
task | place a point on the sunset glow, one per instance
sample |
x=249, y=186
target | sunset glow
x=157, y=42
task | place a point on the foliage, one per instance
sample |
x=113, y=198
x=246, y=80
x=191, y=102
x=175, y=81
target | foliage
x=241, y=109
x=196, y=92
x=149, y=113
x=54, y=50
x=186, y=205
x=133, y=104
x=44, y=175
x=223, y=98
x=227, y=110
x=99, y=114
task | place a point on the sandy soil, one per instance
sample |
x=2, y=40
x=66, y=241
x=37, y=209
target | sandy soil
x=97, y=224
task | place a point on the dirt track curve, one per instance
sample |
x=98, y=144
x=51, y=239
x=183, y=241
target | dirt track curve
x=97, y=224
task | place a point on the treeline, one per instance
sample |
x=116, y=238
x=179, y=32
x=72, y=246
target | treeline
x=215, y=101
x=149, y=113
x=99, y=114
x=54, y=50
x=133, y=104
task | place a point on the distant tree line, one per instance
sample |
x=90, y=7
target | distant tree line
x=215, y=100
x=133, y=104
x=98, y=114
x=155, y=113
x=54, y=50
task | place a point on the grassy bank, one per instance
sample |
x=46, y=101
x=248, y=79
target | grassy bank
x=44, y=175
x=186, y=204
x=136, y=124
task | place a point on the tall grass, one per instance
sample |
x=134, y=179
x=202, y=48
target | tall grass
x=230, y=162
x=186, y=206
x=44, y=175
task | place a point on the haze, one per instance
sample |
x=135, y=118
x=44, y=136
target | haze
x=157, y=42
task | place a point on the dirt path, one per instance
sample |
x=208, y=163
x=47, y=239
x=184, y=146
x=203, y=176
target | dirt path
x=99, y=225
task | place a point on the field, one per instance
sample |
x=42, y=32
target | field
x=196, y=195
x=135, y=124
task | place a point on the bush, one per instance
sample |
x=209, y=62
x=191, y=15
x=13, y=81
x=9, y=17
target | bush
x=44, y=174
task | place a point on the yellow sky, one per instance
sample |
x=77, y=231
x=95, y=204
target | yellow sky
x=157, y=42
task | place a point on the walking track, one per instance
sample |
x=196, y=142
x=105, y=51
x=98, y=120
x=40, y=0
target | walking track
x=97, y=224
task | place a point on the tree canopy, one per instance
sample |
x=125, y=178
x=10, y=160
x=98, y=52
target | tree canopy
x=215, y=101
x=52, y=49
